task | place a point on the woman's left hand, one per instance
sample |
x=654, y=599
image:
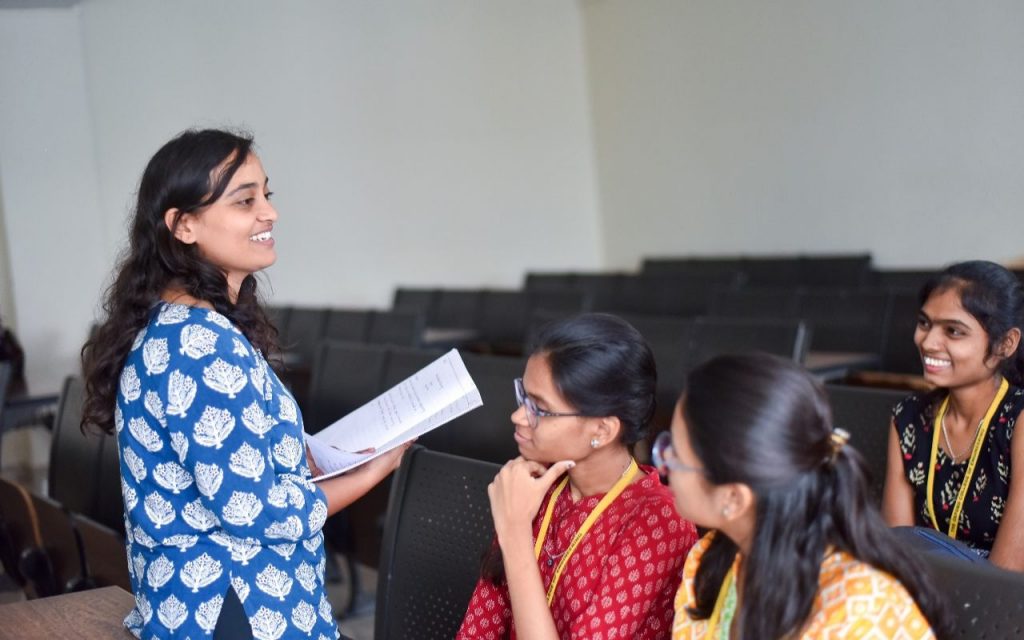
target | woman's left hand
x=517, y=491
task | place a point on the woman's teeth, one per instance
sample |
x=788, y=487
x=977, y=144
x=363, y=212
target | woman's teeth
x=261, y=237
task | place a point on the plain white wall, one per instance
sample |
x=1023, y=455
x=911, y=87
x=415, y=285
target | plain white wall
x=810, y=126
x=50, y=200
x=420, y=143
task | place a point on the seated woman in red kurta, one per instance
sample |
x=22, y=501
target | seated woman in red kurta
x=589, y=544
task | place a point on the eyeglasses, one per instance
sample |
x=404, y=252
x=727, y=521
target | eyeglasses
x=533, y=412
x=664, y=456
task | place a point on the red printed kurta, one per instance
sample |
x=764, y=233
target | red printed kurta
x=621, y=580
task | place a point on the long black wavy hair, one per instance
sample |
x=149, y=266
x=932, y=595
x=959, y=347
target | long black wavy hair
x=763, y=421
x=602, y=366
x=995, y=297
x=188, y=173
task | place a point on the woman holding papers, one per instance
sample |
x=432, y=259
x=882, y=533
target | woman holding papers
x=952, y=450
x=795, y=549
x=588, y=542
x=222, y=521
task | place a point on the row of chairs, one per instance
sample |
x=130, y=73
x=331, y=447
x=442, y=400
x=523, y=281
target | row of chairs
x=48, y=549
x=782, y=270
x=300, y=329
x=439, y=525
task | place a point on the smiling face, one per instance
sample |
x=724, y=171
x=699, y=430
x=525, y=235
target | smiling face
x=954, y=346
x=235, y=233
x=556, y=437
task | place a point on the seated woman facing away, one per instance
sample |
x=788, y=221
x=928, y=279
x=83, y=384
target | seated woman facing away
x=588, y=542
x=952, y=450
x=795, y=549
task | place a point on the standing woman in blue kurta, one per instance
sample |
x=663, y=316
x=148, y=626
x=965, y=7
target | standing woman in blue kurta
x=220, y=512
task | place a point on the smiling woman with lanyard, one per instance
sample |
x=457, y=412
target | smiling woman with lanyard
x=952, y=450
x=588, y=543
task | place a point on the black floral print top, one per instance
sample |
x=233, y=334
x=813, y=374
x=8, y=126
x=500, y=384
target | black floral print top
x=914, y=418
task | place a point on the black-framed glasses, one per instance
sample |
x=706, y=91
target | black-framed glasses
x=533, y=412
x=664, y=456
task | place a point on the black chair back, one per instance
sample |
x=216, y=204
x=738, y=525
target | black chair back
x=74, y=456
x=987, y=602
x=438, y=526
x=867, y=414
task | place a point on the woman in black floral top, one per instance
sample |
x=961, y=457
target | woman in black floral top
x=951, y=450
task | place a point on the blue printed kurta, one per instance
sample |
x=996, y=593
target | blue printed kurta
x=215, y=484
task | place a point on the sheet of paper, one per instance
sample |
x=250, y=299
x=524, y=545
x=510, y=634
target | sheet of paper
x=434, y=395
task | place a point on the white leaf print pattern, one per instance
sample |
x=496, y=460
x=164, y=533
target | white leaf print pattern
x=139, y=337
x=278, y=496
x=172, y=314
x=197, y=341
x=118, y=419
x=274, y=582
x=325, y=608
x=207, y=613
x=200, y=572
x=289, y=452
x=241, y=588
x=213, y=427
x=145, y=609
x=143, y=538
x=283, y=550
x=145, y=435
x=135, y=465
x=242, y=549
x=130, y=497
x=218, y=319
x=155, y=356
x=198, y=516
x=160, y=571
x=208, y=478
x=182, y=541
x=139, y=562
x=239, y=348
x=179, y=443
x=288, y=411
x=256, y=420
x=306, y=576
x=290, y=528
x=312, y=544
x=172, y=613
x=224, y=378
x=268, y=624
x=172, y=476
x=181, y=391
x=155, y=407
x=247, y=462
x=131, y=386
x=258, y=375
x=295, y=495
x=242, y=508
x=304, y=616
x=317, y=516
x=159, y=510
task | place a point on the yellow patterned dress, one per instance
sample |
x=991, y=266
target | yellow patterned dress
x=854, y=600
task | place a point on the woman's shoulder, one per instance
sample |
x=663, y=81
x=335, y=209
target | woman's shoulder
x=916, y=404
x=193, y=331
x=858, y=600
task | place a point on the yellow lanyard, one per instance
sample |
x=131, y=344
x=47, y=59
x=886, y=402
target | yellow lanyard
x=608, y=498
x=723, y=592
x=979, y=440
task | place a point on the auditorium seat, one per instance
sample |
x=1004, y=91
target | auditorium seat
x=438, y=525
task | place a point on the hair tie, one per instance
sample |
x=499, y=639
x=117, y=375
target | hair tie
x=836, y=441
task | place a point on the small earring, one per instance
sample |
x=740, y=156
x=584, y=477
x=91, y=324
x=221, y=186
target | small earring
x=726, y=512
x=594, y=442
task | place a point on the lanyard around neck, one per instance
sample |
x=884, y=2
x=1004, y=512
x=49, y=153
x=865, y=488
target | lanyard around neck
x=722, y=616
x=979, y=440
x=608, y=498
